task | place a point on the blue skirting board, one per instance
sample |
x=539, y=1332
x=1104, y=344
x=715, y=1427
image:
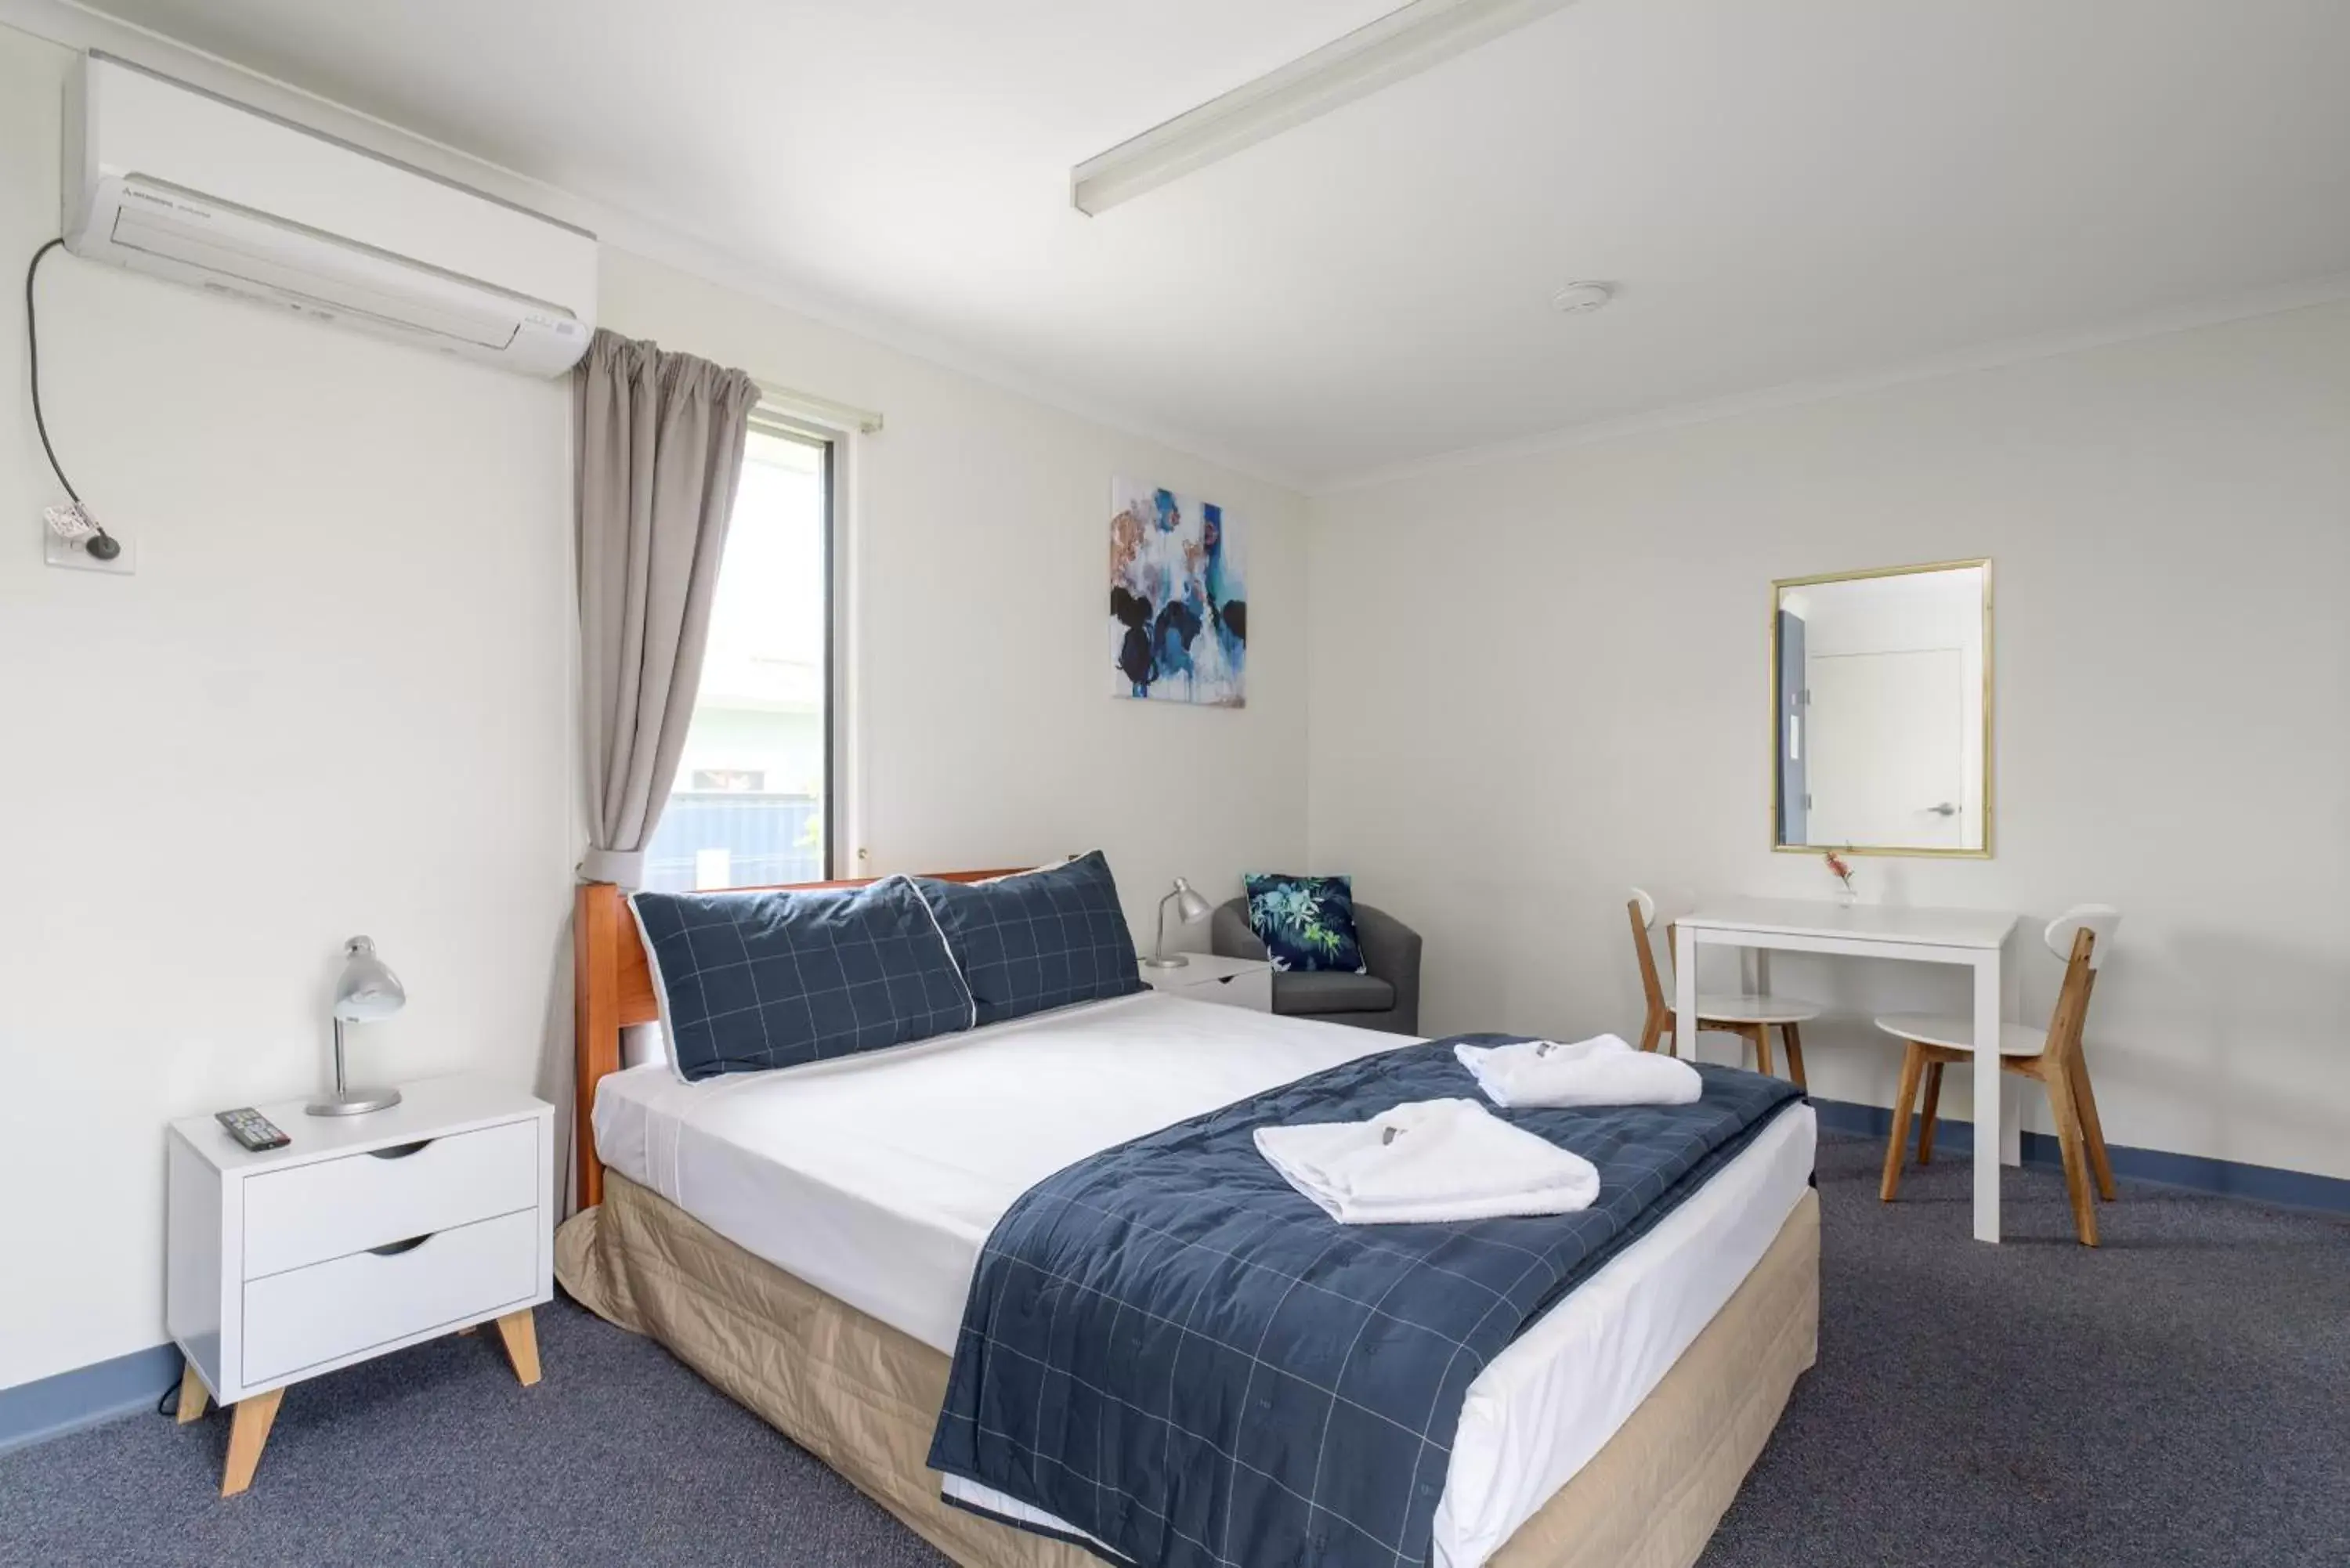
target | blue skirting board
x=2261, y=1183
x=52, y=1407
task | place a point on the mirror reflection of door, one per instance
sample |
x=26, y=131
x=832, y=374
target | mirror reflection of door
x=1880, y=707
x=1886, y=752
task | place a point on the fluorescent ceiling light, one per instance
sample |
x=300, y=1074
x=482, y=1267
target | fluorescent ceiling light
x=1399, y=45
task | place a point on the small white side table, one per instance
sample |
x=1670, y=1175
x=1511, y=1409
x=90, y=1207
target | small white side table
x=1210, y=977
x=364, y=1234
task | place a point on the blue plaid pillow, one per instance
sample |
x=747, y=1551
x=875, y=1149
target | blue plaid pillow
x=753, y=980
x=1040, y=940
x=1306, y=923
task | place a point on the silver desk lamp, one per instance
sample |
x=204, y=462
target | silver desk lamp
x=367, y=990
x=1193, y=908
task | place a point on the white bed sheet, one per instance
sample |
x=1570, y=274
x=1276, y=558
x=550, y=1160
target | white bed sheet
x=879, y=1178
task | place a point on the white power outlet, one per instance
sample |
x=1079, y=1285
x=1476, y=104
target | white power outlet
x=75, y=554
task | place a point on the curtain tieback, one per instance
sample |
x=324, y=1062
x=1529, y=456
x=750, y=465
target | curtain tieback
x=625, y=867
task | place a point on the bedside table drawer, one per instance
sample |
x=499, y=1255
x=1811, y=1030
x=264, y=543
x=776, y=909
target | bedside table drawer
x=309, y=1213
x=307, y=1316
x=1253, y=989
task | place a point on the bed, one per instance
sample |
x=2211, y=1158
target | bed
x=806, y=1240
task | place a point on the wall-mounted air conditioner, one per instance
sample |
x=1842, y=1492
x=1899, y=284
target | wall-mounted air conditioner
x=165, y=179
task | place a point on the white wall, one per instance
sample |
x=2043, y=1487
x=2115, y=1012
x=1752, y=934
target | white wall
x=332, y=699
x=1538, y=679
x=979, y=523
x=328, y=528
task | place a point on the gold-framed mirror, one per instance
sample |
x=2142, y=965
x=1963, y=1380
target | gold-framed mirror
x=1880, y=712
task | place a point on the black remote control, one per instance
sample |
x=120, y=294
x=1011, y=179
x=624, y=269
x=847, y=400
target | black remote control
x=251, y=1128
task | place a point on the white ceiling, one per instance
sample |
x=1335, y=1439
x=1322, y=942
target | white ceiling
x=1796, y=192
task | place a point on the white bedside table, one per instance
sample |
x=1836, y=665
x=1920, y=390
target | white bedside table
x=1231, y=982
x=364, y=1234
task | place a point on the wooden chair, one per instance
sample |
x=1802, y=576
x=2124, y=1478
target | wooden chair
x=1749, y=1016
x=2053, y=1056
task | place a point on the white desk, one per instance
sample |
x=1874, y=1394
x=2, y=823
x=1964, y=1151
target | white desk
x=1973, y=937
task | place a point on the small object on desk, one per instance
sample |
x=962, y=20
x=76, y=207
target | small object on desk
x=1846, y=894
x=372, y=1234
x=1212, y=977
x=1193, y=908
x=251, y=1128
x=367, y=990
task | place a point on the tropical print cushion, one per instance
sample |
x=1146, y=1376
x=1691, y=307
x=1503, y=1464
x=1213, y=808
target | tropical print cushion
x=1306, y=923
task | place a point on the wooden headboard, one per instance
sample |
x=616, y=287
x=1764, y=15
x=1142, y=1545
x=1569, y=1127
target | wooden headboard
x=615, y=989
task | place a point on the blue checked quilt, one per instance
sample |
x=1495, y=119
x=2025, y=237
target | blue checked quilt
x=1173, y=1350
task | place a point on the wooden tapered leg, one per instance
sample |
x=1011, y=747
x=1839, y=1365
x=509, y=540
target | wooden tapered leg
x=520, y=1332
x=247, y=1435
x=1653, y=1031
x=1932, y=1109
x=1912, y=1064
x=2093, y=1131
x=1760, y=1034
x=193, y=1395
x=2069, y=1142
x=1794, y=1039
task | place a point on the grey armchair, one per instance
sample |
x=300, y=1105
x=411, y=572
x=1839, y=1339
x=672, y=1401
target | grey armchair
x=1386, y=998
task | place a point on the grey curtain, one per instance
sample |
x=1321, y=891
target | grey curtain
x=659, y=447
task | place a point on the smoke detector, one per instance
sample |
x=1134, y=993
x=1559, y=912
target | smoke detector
x=1582, y=298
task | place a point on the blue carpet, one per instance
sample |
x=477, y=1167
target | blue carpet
x=2181, y=1397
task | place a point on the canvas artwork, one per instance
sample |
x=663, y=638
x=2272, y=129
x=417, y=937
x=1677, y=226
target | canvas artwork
x=1178, y=599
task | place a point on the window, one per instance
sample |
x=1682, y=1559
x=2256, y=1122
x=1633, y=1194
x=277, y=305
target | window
x=753, y=801
x=741, y=780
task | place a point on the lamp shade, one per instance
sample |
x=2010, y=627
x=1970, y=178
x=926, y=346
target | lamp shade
x=366, y=990
x=1193, y=908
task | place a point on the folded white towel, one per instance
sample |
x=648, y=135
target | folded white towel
x=1429, y=1160
x=1603, y=1071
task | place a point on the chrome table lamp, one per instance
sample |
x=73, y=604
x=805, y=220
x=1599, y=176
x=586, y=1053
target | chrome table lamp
x=367, y=990
x=1193, y=908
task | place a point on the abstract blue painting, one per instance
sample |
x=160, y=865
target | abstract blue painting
x=1178, y=599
